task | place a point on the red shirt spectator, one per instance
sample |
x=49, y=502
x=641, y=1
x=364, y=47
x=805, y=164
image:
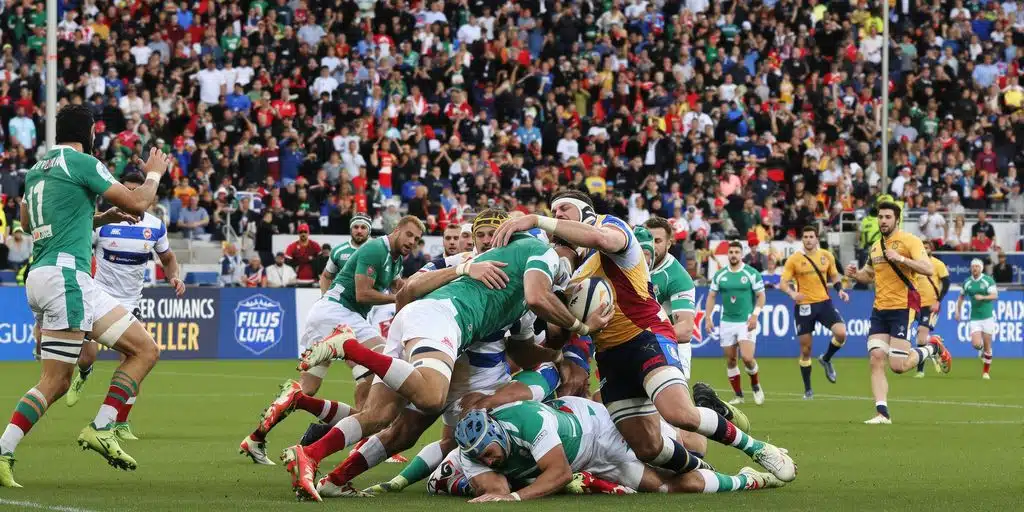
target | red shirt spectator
x=300, y=254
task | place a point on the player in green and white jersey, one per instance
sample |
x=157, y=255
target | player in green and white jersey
x=363, y=282
x=59, y=208
x=506, y=447
x=981, y=290
x=673, y=286
x=428, y=335
x=359, y=229
x=743, y=297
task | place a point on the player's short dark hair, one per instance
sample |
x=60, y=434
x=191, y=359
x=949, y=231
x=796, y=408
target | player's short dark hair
x=736, y=244
x=75, y=124
x=809, y=229
x=133, y=177
x=574, y=194
x=891, y=206
x=659, y=223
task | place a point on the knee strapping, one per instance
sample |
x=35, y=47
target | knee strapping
x=58, y=349
x=113, y=333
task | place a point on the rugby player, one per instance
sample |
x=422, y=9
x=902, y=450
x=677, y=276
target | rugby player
x=933, y=289
x=375, y=267
x=59, y=210
x=122, y=251
x=636, y=353
x=743, y=297
x=544, y=445
x=451, y=239
x=427, y=337
x=814, y=270
x=981, y=290
x=359, y=231
x=895, y=260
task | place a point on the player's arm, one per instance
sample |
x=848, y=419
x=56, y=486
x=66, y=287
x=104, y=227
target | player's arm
x=760, y=299
x=325, y=279
x=422, y=283
x=605, y=238
x=787, y=277
x=555, y=473
x=137, y=201
x=543, y=301
x=945, y=287
x=367, y=294
x=709, y=306
x=527, y=354
x=490, y=483
x=170, y=263
x=525, y=385
x=993, y=294
x=24, y=217
x=918, y=261
x=864, y=275
x=112, y=216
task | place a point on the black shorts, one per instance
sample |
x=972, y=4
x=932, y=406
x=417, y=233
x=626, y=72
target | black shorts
x=624, y=367
x=894, y=322
x=928, y=318
x=807, y=315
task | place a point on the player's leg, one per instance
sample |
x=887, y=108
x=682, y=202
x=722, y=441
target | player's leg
x=748, y=347
x=85, y=361
x=986, y=353
x=448, y=478
x=116, y=328
x=923, y=333
x=806, y=341
x=730, y=351
x=400, y=435
x=878, y=355
x=830, y=318
x=902, y=356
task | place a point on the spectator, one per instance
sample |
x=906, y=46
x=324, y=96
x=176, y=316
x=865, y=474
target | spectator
x=933, y=225
x=772, y=273
x=265, y=231
x=19, y=248
x=22, y=130
x=980, y=242
x=280, y=275
x=415, y=260
x=959, y=237
x=300, y=255
x=320, y=262
x=193, y=220
x=255, y=275
x=230, y=266
x=983, y=226
x=1002, y=272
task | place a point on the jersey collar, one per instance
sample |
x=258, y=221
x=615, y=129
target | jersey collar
x=664, y=263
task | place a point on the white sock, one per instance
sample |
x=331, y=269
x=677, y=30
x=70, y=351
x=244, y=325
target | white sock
x=710, y=480
x=751, y=371
x=708, y=422
x=432, y=454
x=397, y=373
x=105, y=416
x=344, y=410
x=10, y=439
x=350, y=427
x=373, y=451
x=732, y=372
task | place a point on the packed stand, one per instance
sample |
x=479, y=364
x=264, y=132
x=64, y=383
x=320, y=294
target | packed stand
x=731, y=119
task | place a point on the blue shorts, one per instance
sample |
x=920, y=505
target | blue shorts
x=894, y=322
x=624, y=367
x=807, y=315
x=928, y=318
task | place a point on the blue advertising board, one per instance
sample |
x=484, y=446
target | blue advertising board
x=16, y=323
x=959, y=264
x=257, y=323
x=183, y=327
x=777, y=332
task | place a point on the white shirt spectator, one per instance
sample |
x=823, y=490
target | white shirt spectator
x=141, y=54
x=330, y=62
x=23, y=130
x=871, y=48
x=697, y=121
x=210, y=82
x=727, y=92
x=568, y=148
x=243, y=75
x=95, y=85
x=280, y=276
x=469, y=33
x=932, y=226
x=130, y=106
x=323, y=84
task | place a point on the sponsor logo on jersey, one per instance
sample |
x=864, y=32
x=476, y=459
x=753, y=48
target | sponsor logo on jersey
x=259, y=324
x=370, y=271
x=115, y=231
x=147, y=233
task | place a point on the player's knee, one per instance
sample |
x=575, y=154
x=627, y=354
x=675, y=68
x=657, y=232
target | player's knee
x=54, y=385
x=877, y=357
x=647, y=451
x=977, y=345
x=749, y=362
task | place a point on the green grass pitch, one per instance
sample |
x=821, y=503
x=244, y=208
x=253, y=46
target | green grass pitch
x=956, y=445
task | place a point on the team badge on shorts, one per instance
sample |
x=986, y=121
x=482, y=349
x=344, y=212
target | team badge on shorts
x=259, y=324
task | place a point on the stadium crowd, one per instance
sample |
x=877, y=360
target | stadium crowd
x=730, y=119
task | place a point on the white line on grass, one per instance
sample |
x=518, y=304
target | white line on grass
x=910, y=401
x=40, y=506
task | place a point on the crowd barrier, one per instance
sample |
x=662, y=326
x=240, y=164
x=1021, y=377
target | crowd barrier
x=261, y=323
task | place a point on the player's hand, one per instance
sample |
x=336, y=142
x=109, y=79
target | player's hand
x=504, y=232
x=978, y=296
x=752, y=323
x=797, y=297
x=157, y=162
x=575, y=381
x=487, y=498
x=851, y=270
x=489, y=273
x=115, y=215
x=845, y=297
x=956, y=315
x=470, y=401
x=179, y=286
x=709, y=325
x=597, y=320
x=894, y=256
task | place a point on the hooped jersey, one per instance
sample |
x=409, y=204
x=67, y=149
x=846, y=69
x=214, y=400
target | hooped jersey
x=636, y=307
x=891, y=292
x=122, y=251
x=931, y=286
x=798, y=268
x=60, y=194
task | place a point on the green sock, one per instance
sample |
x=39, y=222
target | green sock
x=416, y=470
x=720, y=482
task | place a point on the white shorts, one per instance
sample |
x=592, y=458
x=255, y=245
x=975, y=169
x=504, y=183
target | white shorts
x=685, y=353
x=987, y=326
x=608, y=455
x=325, y=315
x=64, y=298
x=731, y=333
x=478, y=380
x=431, y=320
x=448, y=476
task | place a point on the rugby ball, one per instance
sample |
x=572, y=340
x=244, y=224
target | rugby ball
x=588, y=295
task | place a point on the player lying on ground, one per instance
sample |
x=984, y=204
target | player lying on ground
x=362, y=282
x=812, y=270
x=503, y=448
x=427, y=337
x=933, y=289
x=122, y=251
x=636, y=353
x=895, y=261
x=59, y=207
x=981, y=290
